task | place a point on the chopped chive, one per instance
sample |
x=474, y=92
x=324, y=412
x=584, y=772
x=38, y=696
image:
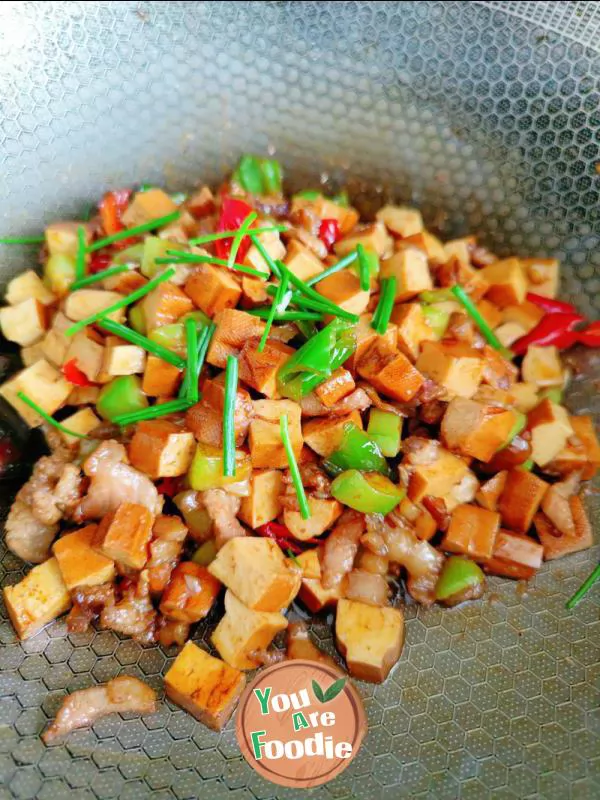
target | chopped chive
x=128, y=233
x=203, y=345
x=231, y=382
x=363, y=269
x=193, y=258
x=191, y=336
x=22, y=240
x=156, y=349
x=485, y=329
x=320, y=306
x=80, y=255
x=290, y=554
x=50, y=420
x=584, y=588
x=125, y=301
x=382, y=314
x=307, y=291
x=235, y=245
x=287, y=316
x=215, y=237
x=275, y=310
x=152, y=412
x=341, y=264
x=293, y=465
x=98, y=276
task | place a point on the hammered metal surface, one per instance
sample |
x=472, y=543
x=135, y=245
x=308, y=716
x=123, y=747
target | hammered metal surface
x=488, y=122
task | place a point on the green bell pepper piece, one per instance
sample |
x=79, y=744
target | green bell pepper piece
x=385, y=428
x=121, y=396
x=131, y=255
x=436, y=296
x=173, y=335
x=248, y=174
x=457, y=576
x=528, y=465
x=206, y=553
x=314, y=362
x=554, y=394
x=518, y=425
x=341, y=199
x=59, y=273
x=137, y=318
x=357, y=450
x=370, y=492
x=308, y=194
x=155, y=247
x=271, y=175
x=206, y=469
x=437, y=318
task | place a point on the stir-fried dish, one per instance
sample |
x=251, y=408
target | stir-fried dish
x=252, y=400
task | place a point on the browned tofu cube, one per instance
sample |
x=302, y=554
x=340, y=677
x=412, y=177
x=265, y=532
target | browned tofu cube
x=374, y=238
x=302, y=261
x=490, y=312
x=201, y=203
x=242, y=632
x=411, y=270
x=520, y=499
x=206, y=687
x=582, y=451
x=401, y=220
x=190, y=593
x=323, y=513
x=148, y=205
x=524, y=396
x=161, y=449
x=390, y=372
x=259, y=369
x=324, y=434
x=312, y=592
x=412, y=328
x=254, y=291
x=43, y=384
x=164, y=305
x=339, y=384
x=508, y=284
x=234, y=329
x=526, y=314
x=489, y=492
x=550, y=428
x=419, y=517
x=272, y=244
x=123, y=535
x=160, y=378
x=498, y=372
x=542, y=367
x=343, y=289
x=40, y=597
x=366, y=336
x=557, y=544
x=515, y=556
x=543, y=275
x=213, y=289
x=475, y=429
x=83, y=395
x=262, y=503
x=347, y=216
x=430, y=244
x=370, y=638
x=438, y=478
x=455, y=272
x=79, y=563
x=24, y=323
x=264, y=438
x=460, y=249
x=472, y=532
x=454, y=365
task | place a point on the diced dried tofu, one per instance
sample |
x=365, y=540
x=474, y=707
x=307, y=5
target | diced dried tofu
x=43, y=384
x=301, y=261
x=428, y=243
x=312, y=592
x=475, y=429
x=256, y=572
x=234, y=328
x=508, y=284
x=28, y=285
x=401, y=220
x=366, y=336
x=190, y=593
x=40, y=597
x=460, y=249
x=557, y=544
x=411, y=270
x=32, y=353
x=83, y=303
x=509, y=332
x=264, y=436
x=374, y=238
x=160, y=378
x=347, y=216
x=83, y=395
x=87, y=354
x=164, y=305
x=254, y=291
x=125, y=282
x=454, y=365
x=148, y=205
x=274, y=247
x=543, y=275
x=455, y=272
x=82, y=421
x=550, y=429
x=520, y=499
x=370, y=638
x=515, y=556
x=201, y=203
x=498, y=372
x=472, y=532
x=123, y=535
x=542, y=366
x=213, y=289
x=390, y=372
x=124, y=359
x=24, y=323
x=582, y=451
x=412, y=328
x=324, y=434
x=80, y=564
x=259, y=369
x=527, y=314
x=242, y=631
x=490, y=312
x=55, y=344
x=343, y=289
x=161, y=449
x=438, y=478
x=489, y=492
x=62, y=237
x=525, y=396
x=262, y=503
x=323, y=513
x=206, y=687
x=339, y=384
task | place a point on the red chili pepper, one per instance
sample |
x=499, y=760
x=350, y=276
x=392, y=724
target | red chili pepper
x=553, y=329
x=281, y=535
x=111, y=207
x=590, y=336
x=233, y=213
x=99, y=261
x=550, y=305
x=168, y=486
x=329, y=232
x=74, y=375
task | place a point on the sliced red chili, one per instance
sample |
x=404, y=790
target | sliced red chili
x=99, y=262
x=74, y=375
x=233, y=213
x=329, y=232
x=550, y=305
x=112, y=207
x=590, y=336
x=553, y=329
x=281, y=535
x=168, y=486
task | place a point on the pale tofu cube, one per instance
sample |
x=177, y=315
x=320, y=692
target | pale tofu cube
x=323, y=514
x=83, y=395
x=274, y=247
x=374, y=238
x=123, y=535
x=411, y=270
x=256, y=572
x=542, y=366
x=509, y=332
x=55, y=344
x=476, y=429
x=213, y=289
x=312, y=592
x=490, y=312
x=508, y=284
x=87, y=354
x=412, y=328
x=455, y=366
x=401, y=220
x=582, y=451
x=370, y=638
x=201, y=202
x=62, y=238
x=242, y=631
x=31, y=354
x=147, y=206
x=438, y=478
x=161, y=449
x=302, y=262
x=543, y=275
x=24, y=323
x=40, y=597
x=324, y=434
x=28, y=285
x=520, y=499
x=164, y=305
x=82, y=421
x=550, y=428
x=206, y=687
x=527, y=314
x=524, y=396
x=460, y=249
x=124, y=359
x=343, y=289
x=43, y=384
x=85, y=302
x=234, y=329
x=262, y=504
x=79, y=563
x=264, y=435
x=325, y=208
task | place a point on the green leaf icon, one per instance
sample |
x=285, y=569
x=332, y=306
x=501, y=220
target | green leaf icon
x=318, y=692
x=335, y=688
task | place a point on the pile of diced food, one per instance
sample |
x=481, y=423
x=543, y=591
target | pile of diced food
x=252, y=400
